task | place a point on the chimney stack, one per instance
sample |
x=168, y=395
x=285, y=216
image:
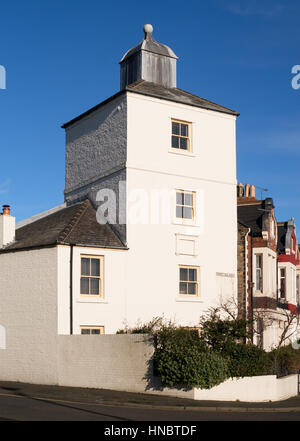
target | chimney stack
x=246, y=194
x=7, y=227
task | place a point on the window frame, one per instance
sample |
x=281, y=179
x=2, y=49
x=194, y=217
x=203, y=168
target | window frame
x=193, y=206
x=100, y=277
x=189, y=137
x=282, y=278
x=101, y=328
x=261, y=268
x=197, y=283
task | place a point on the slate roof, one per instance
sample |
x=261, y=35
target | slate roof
x=149, y=44
x=74, y=225
x=251, y=216
x=157, y=91
x=176, y=95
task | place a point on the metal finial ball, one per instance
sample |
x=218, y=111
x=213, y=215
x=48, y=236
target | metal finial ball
x=148, y=28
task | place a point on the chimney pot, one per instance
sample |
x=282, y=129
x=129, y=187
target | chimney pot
x=252, y=191
x=247, y=189
x=6, y=210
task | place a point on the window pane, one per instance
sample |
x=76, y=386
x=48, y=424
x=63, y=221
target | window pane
x=179, y=212
x=183, y=143
x=94, y=289
x=84, y=285
x=192, y=289
x=183, y=288
x=95, y=331
x=180, y=198
x=184, y=130
x=188, y=199
x=85, y=266
x=183, y=274
x=258, y=261
x=192, y=275
x=188, y=213
x=175, y=128
x=175, y=142
x=85, y=331
x=95, y=267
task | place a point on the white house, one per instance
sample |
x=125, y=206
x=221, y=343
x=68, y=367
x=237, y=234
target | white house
x=159, y=164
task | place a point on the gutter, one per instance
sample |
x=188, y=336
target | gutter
x=246, y=271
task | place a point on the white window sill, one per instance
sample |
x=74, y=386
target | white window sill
x=189, y=299
x=91, y=300
x=182, y=153
x=184, y=223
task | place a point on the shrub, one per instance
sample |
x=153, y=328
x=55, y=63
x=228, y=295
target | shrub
x=182, y=360
x=247, y=361
x=285, y=360
x=144, y=328
x=220, y=334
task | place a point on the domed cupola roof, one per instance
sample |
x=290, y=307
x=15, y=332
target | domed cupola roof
x=151, y=45
x=150, y=61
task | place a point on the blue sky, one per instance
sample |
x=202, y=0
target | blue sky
x=61, y=58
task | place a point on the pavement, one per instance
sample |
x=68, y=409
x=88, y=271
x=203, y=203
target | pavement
x=96, y=397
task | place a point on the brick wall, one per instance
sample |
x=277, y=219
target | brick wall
x=243, y=282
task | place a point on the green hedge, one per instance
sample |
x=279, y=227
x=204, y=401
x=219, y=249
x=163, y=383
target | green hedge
x=247, y=361
x=182, y=360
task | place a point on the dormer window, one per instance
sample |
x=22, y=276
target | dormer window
x=181, y=136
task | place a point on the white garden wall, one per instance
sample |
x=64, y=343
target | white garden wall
x=251, y=389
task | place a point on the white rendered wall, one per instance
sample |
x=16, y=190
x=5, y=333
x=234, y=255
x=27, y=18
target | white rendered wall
x=28, y=312
x=109, y=311
x=153, y=273
x=251, y=389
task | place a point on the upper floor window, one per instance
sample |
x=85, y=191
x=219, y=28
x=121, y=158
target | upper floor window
x=189, y=280
x=181, y=135
x=91, y=280
x=282, y=281
x=185, y=204
x=259, y=272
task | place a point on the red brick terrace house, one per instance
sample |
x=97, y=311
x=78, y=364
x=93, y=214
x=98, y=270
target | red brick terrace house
x=288, y=260
x=257, y=265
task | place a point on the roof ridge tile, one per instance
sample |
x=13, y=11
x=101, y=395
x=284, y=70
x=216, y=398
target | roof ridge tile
x=74, y=221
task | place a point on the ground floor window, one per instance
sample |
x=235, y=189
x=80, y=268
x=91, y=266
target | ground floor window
x=92, y=330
